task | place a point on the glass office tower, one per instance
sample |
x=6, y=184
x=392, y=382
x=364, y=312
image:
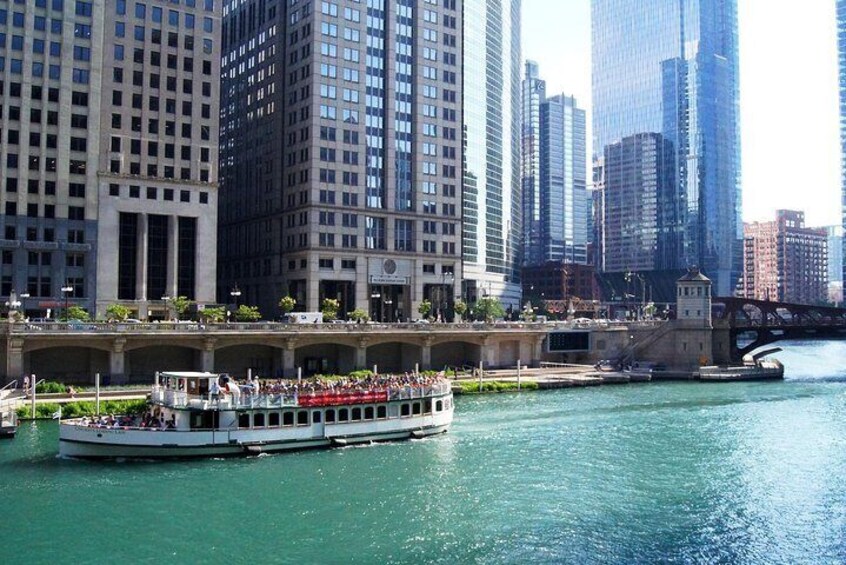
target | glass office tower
x=671, y=68
x=841, y=57
x=492, y=200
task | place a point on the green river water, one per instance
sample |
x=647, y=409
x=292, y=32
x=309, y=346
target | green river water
x=674, y=472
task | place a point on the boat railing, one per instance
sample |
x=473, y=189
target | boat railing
x=228, y=401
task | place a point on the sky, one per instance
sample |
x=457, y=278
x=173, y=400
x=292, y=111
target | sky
x=790, y=144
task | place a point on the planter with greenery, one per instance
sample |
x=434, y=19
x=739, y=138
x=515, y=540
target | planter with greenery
x=330, y=309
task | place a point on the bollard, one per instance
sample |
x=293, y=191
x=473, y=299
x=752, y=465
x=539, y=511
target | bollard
x=299, y=374
x=32, y=380
x=97, y=391
x=376, y=370
x=481, y=374
x=519, y=366
x=416, y=370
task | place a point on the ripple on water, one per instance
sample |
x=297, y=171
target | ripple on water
x=675, y=473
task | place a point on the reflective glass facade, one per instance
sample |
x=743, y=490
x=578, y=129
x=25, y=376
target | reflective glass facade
x=841, y=49
x=492, y=200
x=563, y=171
x=670, y=68
x=534, y=93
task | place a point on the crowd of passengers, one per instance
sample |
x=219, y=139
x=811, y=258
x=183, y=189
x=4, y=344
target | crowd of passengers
x=345, y=385
x=150, y=420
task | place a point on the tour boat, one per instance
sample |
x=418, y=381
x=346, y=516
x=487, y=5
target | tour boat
x=755, y=367
x=194, y=414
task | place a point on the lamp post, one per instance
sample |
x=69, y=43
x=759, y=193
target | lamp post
x=166, y=299
x=12, y=304
x=66, y=290
x=235, y=293
x=23, y=296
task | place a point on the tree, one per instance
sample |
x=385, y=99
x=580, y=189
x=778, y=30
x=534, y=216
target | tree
x=180, y=306
x=287, y=304
x=117, y=312
x=246, y=313
x=77, y=313
x=489, y=308
x=330, y=309
x=213, y=315
x=460, y=308
x=425, y=308
x=358, y=315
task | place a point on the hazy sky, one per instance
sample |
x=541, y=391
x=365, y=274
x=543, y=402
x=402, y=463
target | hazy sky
x=790, y=155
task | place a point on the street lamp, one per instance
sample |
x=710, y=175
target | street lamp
x=66, y=290
x=166, y=299
x=13, y=303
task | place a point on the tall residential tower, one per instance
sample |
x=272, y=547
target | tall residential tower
x=670, y=69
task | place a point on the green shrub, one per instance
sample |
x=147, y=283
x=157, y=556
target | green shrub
x=472, y=387
x=50, y=387
x=83, y=408
x=363, y=374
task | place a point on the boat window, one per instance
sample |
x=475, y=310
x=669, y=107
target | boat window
x=405, y=409
x=315, y=417
x=356, y=414
x=302, y=418
x=427, y=406
x=415, y=408
x=273, y=420
x=381, y=412
x=343, y=414
x=393, y=410
x=439, y=405
x=243, y=420
x=330, y=415
x=287, y=418
x=368, y=413
x=258, y=420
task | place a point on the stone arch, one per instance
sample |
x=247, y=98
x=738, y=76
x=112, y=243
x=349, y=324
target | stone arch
x=455, y=353
x=142, y=363
x=66, y=363
x=325, y=358
x=237, y=359
x=394, y=356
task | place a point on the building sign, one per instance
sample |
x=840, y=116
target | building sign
x=389, y=271
x=388, y=279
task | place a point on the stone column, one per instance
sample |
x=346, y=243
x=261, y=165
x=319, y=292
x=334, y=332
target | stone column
x=14, y=358
x=426, y=354
x=117, y=360
x=207, y=355
x=289, y=359
x=537, y=351
x=361, y=354
x=172, y=256
x=141, y=260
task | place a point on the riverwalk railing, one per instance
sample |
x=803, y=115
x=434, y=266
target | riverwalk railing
x=263, y=327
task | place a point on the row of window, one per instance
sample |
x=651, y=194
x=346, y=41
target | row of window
x=284, y=418
x=47, y=211
x=152, y=193
x=76, y=235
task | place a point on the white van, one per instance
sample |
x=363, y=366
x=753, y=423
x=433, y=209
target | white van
x=305, y=317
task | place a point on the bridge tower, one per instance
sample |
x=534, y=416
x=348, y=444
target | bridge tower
x=693, y=299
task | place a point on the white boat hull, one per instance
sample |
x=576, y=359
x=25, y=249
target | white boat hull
x=82, y=441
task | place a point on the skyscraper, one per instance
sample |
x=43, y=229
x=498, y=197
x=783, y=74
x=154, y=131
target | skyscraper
x=534, y=94
x=671, y=68
x=841, y=57
x=555, y=208
x=341, y=157
x=492, y=199
x=109, y=153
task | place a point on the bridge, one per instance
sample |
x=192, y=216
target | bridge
x=767, y=322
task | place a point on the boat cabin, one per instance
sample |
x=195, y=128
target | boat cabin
x=189, y=382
